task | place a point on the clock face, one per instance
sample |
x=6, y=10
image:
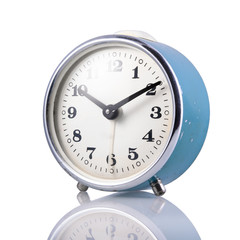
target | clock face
x=111, y=112
x=100, y=224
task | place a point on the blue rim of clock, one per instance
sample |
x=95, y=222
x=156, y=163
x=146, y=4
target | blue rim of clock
x=147, y=174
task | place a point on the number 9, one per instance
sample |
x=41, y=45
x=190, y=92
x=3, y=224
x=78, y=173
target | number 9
x=72, y=112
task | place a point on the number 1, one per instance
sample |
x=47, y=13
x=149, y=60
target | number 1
x=135, y=75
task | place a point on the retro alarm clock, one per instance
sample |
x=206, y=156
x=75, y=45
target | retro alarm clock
x=125, y=112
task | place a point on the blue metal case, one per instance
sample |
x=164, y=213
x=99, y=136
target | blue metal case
x=194, y=119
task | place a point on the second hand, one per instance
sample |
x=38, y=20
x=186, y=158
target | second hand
x=113, y=129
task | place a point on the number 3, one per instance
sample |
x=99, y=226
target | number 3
x=156, y=112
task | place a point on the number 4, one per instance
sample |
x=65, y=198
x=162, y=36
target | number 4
x=149, y=137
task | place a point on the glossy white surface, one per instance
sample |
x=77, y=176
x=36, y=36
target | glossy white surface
x=35, y=192
x=132, y=216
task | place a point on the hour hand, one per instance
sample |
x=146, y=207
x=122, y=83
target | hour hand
x=108, y=110
x=83, y=91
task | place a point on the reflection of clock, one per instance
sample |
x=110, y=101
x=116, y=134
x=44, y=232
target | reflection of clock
x=124, y=111
x=106, y=224
x=122, y=216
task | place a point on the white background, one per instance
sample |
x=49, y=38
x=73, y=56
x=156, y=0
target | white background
x=36, y=35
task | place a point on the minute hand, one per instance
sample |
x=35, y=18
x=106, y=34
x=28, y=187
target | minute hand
x=134, y=95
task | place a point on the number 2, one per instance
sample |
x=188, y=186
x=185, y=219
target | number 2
x=115, y=66
x=152, y=91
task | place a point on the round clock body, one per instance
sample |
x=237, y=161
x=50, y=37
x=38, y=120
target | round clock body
x=121, y=112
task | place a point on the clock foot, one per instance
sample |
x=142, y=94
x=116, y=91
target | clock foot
x=83, y=198
x=157, y=187
x=81, y=187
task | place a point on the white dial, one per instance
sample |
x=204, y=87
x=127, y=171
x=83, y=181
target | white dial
x=111, y=112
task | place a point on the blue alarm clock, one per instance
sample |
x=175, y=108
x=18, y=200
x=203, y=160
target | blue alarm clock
x=125, y=112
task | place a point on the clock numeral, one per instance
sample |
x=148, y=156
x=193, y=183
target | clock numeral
x=77, y=135
x=152, y=91
x=132, y=154
x=110, y=230
x=149, y=137
x=92, y=73
x=115, y=66
x=156, y=112
x=91, y=149
x=72, y=111
x=111, y=160
x=135, y=73
x=132, y=236
x=77, y=90
x=90, y=233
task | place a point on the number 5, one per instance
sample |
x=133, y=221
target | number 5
x=132, y=154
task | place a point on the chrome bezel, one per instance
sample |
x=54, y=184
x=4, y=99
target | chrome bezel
x=145, y=46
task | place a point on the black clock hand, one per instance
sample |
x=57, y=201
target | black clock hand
x=111, y=111
x=83, y=92
x=136, y=94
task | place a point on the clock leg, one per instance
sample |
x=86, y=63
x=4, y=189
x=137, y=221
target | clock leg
x=157, y=187
x=83, y=198
x=81, y=187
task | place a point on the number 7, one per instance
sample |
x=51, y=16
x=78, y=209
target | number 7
x=92, y=149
